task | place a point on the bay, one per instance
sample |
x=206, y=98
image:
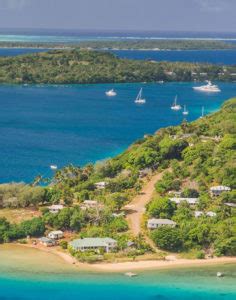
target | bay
x=42, y=125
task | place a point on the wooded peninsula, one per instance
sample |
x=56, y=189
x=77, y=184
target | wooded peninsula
x=88, y=66
x=134, y=44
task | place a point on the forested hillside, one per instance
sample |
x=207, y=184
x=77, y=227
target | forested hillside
x=84, y=66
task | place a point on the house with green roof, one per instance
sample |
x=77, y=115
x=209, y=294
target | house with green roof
x=108, y=244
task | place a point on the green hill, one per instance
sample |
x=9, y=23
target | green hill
x=194, y=156
x=83, y=66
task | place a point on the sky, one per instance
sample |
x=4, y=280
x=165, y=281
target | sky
x=177, y=15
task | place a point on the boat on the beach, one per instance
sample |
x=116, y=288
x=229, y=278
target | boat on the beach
x=131, y=274
x=209, y=88
x=176, y=106
x=139, y=99
x=185, y=112
x=111, y=93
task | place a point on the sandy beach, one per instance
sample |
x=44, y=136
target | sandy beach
x=63, y=261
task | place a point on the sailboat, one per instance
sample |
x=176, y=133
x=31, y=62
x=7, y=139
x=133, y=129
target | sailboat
x=202, y=112
x=139, y=99
x=185, y=112
x=176, y=106
x=111, y=93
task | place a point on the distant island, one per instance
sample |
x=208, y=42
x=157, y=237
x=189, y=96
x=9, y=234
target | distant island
x=88, y=66
x=171, y=194
x=135, y=44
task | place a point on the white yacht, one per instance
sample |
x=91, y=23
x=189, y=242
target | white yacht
x=176, y=106
x=111, y=93
x=202, y=115
x=185, y=112
x=53, y=167
x=140, y=99
x=209, y=88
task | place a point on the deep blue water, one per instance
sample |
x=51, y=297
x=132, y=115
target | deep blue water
x=224, y=57
x=44, y=125
x=19, y=51
x=185, y=284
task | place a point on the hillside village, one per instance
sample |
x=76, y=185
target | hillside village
x=171, y=192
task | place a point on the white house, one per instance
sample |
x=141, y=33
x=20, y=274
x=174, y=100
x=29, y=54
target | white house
x=91, y=204
x=190, y=201
x=100, y=185
x=155, y=223
x=211, y=214
x=231, y=204
x=55, y=208
x=217, y=190
x=55, y=235
x=85, y=244
x=198, y=214
x=47, y=242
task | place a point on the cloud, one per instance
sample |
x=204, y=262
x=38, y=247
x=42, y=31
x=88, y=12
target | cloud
x=13, y=4
x=213, y=5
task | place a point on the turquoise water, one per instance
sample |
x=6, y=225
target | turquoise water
x=176, y=284
x=44, y=125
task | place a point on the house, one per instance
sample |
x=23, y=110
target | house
x=217, y=190
x=87, y=204
x=47, y=242
x=231, y=205
x=190, y=201
x=100, y=185
x=198, y=214
x=155, y=223
x=85, y=244
x=55, y=235
x=211, y=214
x=145, y=172
x=55, y=208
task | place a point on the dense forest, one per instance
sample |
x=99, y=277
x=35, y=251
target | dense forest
x=136, y=44
x=193, y=156
x=84, y=66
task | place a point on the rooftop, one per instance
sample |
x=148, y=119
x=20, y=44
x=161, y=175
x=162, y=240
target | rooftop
x=220, y=188
x=161, y=221
x=188, y=200
x=92, y=242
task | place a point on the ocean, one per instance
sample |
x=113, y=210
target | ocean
x=28, y=274
x=42, y=125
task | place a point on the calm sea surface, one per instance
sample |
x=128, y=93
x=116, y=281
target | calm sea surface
x=185, y=284
x=44, y=125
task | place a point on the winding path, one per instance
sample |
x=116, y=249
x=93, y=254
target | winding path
x=136, y=208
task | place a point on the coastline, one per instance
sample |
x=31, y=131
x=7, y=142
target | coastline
x=116, y=267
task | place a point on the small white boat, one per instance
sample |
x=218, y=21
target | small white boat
x=209, y=88
x=202, y=115
x=140, y=99
x=111, y=93
x=176, y=106
x=130, y=274
x=53, y=167
x=185, y=112
x=219, y=274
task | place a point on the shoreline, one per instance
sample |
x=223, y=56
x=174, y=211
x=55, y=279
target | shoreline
x=142, y=265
